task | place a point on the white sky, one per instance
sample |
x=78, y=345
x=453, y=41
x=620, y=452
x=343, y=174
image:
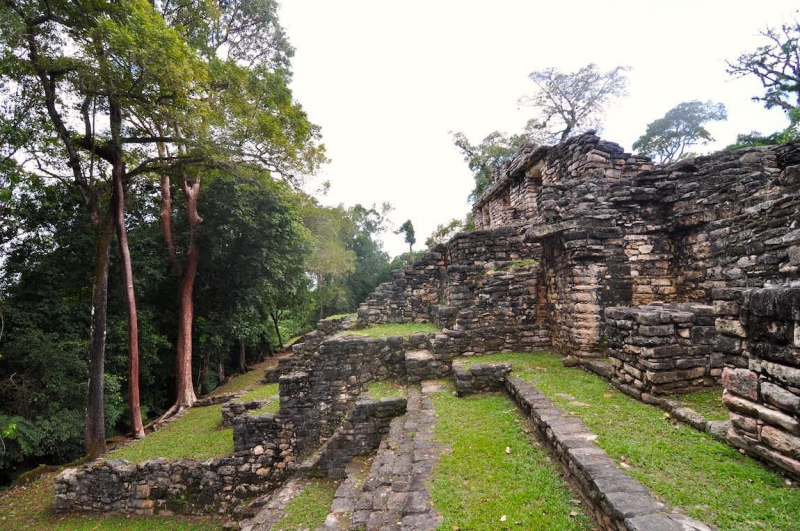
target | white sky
x=387, y=82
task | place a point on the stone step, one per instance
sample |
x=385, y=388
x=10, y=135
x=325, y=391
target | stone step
x=272, y=507
x=394, y=496
x=423, y=365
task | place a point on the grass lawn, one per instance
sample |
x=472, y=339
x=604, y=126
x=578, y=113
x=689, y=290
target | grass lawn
x=709, y=480
x=308, y=511
x=393, y=330
x=707, y=402
x=196, y=435
x=385, y=389
x=494, y=476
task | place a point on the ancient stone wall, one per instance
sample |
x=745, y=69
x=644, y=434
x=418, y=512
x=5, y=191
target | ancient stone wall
x=481, y=288
x=480, y=378
x=762, y=384
x=317, y=399
x=263, y=457
x=662, y=348
x=359, y=434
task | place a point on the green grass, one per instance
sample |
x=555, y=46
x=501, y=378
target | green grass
x=393, y=330
x=195, y=435
x=243, y=381
x=478, y=482
x=709, y=480
x=308, y=511
x=521, y=263
x=259, y=391
x=707, y=402
x=385, y=389
x=30, y=508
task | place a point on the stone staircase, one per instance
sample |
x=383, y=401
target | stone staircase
x=394, y=496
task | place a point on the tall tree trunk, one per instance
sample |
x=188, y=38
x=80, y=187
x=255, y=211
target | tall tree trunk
x=129, y=297
x=185, y=391
x=185, y=396
x=242, y=357
x=275, y=318
x=95, y=434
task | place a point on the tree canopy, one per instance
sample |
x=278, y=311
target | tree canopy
x=487, y=157
x=681, y=127
x=571, y=103
x=776, y=64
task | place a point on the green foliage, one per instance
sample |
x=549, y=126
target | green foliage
x=478, y=481
x=407, y=228
x=667, y=138
x=776, y=64
x=709, y=480
x=347, y=260
x=754, y=138
x=571, y=103
x=444, y=232
x=487, y=157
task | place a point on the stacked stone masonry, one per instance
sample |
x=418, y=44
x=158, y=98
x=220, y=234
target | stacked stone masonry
x=663, y=348
x=762, y=383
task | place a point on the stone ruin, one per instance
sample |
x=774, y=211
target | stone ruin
x=656, y=268
x=682, y=276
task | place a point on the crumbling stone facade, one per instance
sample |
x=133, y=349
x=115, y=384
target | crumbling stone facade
x=611, y=233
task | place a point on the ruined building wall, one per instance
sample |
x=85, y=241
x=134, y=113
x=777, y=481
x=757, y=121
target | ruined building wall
x=480, y=287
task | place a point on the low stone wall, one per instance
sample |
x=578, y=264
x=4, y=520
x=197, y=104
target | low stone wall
x=317, y=399
x=663, y=348
x=359, y=434
x=233, y=409
x=764, y=396
x=618, y=501
x=263, y=457
x=480, y=378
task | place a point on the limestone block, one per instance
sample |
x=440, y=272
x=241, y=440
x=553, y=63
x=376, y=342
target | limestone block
x=730, y=327
x=741, y=382
x=781, y=441
x=780, y=397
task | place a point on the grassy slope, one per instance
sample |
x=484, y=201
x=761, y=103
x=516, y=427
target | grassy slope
x=709, y=480
x=478, y=482
x=194, y=435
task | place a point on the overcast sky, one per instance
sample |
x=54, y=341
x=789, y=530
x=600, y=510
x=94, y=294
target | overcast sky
x=388, y=80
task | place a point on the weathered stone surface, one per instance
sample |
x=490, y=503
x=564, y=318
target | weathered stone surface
x=742, y=382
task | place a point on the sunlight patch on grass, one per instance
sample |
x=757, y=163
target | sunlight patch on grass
x=493, y=469
x=195, y=435
x=709, y=480
x=393, y=330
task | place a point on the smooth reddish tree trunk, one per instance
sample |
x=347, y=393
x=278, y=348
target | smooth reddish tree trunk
x=185, y=396
x=129, y=297
x=184, y=388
